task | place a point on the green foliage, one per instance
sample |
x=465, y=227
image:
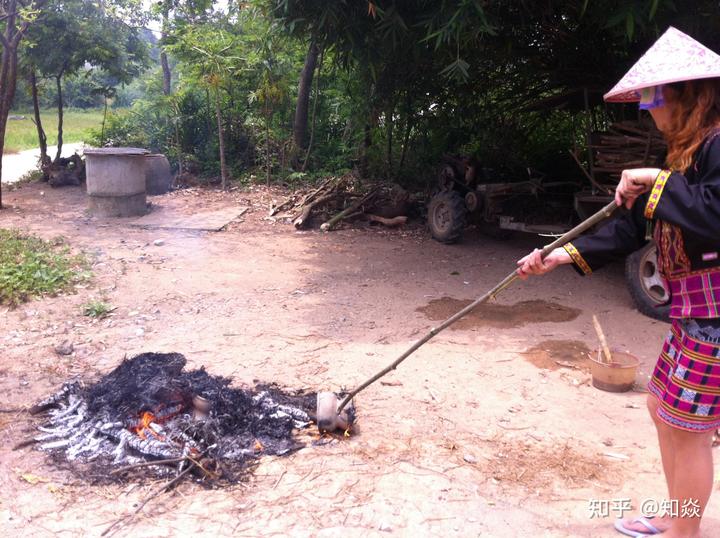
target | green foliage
x=156, y=122
x=69, y=35
x=502, y=80
x=80, y=90
x=401, y=82
x=97, y=309
x=31, y=267
x=140, y=126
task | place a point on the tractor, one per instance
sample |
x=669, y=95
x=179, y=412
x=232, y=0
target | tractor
x=468, y=193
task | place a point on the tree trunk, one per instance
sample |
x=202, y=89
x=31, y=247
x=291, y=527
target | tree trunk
x=9, y=40
x=102, y=129
x=58, y=82
x=314, y=114
x=303, y=99
x=409, y=117
x=389, y=125
x=364, y=155
x=167, y=75
x=209, y=112
x=42, y=137
x=178, y=140
x=221, y=140
x=268, y=163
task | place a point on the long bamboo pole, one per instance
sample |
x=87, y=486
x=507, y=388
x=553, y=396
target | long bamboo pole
x=598, y=217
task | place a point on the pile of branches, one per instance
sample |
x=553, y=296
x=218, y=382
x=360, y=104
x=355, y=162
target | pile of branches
x=345, y=198
x=626, y=144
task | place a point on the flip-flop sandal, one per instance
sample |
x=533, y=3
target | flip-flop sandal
x=645, y=521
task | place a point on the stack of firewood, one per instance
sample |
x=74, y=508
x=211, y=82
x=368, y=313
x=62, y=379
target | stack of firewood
x=337, y=199
x=626, y=144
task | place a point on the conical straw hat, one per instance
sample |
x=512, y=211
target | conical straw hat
x=673, y=58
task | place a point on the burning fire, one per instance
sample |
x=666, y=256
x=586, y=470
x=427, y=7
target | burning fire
x=150, y=422
x=144, y=426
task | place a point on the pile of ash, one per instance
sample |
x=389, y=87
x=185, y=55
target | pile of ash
x=148, y=410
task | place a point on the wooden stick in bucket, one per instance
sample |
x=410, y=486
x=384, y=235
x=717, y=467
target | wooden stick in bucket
x=603, y=342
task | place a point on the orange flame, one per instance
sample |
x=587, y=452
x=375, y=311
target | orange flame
x=143, y=426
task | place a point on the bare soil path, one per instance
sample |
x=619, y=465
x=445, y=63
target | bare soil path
x=491, y=429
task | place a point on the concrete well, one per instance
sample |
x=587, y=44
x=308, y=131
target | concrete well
x=116, y=181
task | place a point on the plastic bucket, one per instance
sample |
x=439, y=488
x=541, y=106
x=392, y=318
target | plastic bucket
x=617, y=376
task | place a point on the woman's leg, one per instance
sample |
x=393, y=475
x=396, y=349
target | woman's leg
x=692, y=480
x=665, y=440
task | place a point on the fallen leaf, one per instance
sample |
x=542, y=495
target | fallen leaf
x=33, y=479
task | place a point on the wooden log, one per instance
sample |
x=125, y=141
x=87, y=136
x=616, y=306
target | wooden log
x=300, y=221
x=395, y=221
x=287, y=204
x=322, y=187
x=352, y=208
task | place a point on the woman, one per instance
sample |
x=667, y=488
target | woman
x=677, y=80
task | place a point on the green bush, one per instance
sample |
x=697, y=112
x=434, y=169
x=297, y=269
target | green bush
x=31, y=267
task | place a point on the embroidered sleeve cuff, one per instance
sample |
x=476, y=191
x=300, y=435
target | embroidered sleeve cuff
x=577, y=258
x=655, y=193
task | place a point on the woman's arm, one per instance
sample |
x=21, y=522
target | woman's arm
x=695, y=208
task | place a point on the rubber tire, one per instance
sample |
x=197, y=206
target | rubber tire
x=641, y=271
x=447, y=216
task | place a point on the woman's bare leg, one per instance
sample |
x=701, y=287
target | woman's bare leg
x=665, y=439
x=692, y=480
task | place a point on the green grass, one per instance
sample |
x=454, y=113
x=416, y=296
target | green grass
x=31, y=267
x=97, y=309
x=22, y=134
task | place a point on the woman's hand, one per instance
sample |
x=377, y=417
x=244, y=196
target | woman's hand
x=534, y=264
x=633, y=183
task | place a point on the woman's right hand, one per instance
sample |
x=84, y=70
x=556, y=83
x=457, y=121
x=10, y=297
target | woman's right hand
x=633, y=183
x=535, y=264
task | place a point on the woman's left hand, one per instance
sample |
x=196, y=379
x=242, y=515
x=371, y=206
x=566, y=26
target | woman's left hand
x=633, y=183
x=535, y=264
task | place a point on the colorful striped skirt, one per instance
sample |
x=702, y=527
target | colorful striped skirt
x=686, y=381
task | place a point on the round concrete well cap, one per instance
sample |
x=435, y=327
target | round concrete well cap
x=115, y=151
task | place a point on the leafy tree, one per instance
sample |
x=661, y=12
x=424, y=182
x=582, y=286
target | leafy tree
x=173, y=14
x=16, y=16
x=442, y=71
x=72, y=35
x=404, y=81
x=208, y=51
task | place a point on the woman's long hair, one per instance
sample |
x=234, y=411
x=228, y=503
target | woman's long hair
x=695, y=114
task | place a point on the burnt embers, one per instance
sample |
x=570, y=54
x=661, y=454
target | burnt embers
x=150, y=409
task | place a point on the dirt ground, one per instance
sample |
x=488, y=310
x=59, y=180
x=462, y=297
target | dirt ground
x=491, y=429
